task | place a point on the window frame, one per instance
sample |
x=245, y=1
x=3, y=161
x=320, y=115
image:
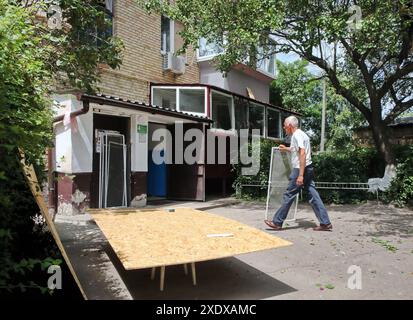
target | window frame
x=263, y=63
x=171, y=36
x=177, y=91
x=279, y=123
x=232, y=130
x=264, y=129
x=206, y=57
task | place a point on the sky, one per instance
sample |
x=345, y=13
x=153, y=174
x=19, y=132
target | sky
x=290, y=57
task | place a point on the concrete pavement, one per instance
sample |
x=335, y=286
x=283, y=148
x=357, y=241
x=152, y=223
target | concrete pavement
x=376, y=238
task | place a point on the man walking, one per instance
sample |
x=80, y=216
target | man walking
x=301, y=177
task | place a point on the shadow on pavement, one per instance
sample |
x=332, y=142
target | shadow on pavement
x=221, y=279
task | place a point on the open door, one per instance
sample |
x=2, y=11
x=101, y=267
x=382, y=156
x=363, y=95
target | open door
x=112, y=169
x=186, y=181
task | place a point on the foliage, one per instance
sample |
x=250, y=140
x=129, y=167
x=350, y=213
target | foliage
x=260, y=179
x=385, y=244
x=368, y=61
x=356, y=164
x=33, y=58
x=296, y=88
x=401, y=189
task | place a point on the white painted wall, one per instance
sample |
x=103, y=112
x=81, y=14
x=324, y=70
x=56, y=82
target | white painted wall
x=63, y=149
x=82, y=143
x=236, y=81
x=139, y=145
x=74, y=139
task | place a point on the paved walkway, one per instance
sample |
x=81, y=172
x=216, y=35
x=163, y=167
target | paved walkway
x=376, y=238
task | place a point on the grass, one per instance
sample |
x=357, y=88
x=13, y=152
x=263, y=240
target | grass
x=385, y=244
x=327, y=286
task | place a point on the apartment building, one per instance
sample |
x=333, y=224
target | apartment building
x=104, y=143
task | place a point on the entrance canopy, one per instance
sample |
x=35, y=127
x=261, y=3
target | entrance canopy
x=140, y=106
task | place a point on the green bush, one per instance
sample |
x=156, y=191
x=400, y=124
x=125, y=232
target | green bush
x=357, y=164
x=353, y=165
x=261, y=178
x=401, y=190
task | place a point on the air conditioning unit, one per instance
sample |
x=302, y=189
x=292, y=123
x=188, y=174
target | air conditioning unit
x=175, y=64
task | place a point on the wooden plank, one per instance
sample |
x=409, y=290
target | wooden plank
x=33, y=183
x=152, y=237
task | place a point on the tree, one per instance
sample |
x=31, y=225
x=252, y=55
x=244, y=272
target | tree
x=369, y=59
x=296, y=88
x=34, y=57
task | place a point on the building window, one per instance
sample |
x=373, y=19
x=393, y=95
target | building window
x=99, y=31
x=256, y=117
x=164, y=97
x=167, y=35
x=192, y=100
x=208, y=49
x=105, y=23
x=241, y=113
x=266, y=61
x=273, y=123
x=222, y=110
x=185, y=99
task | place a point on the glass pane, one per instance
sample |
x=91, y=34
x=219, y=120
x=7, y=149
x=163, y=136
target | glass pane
x=241, y=113
x=273, y=123
x=192, y=100
x=165, y=34
x=266, y=62
x=278, y=177
x=116, y=172
x=256, y=117
x=271, y=65
x=164, y=98
x=109, y=5
x=208, y=48
x=221, y=111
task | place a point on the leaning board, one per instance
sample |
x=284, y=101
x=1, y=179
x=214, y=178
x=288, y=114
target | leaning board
x=151, y=238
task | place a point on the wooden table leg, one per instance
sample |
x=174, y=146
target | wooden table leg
x=193, y=273
x=162, y=277
x=185, y=268
x=153, y=273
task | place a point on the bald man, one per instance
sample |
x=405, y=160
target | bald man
x=302, y=176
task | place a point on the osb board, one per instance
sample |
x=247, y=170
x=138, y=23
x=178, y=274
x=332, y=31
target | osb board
x=149, y=238
x=34, y=186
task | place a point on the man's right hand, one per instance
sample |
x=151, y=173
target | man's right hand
x=283, y=148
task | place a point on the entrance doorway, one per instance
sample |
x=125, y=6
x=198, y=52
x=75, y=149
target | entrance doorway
x=157, y=173
x=112, y=169
x=111, y=162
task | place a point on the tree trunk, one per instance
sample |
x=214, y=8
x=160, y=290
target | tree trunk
x=381, y=139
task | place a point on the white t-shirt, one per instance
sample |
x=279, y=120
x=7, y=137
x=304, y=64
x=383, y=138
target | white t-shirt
x=300, y=140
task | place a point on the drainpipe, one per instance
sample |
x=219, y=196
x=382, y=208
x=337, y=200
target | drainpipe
x=74, y=114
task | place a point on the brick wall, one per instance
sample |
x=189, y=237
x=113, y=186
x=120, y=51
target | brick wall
x=142, y=60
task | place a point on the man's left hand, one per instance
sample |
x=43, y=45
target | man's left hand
x=300, y=180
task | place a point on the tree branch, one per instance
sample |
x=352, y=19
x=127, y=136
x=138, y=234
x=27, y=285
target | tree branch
x=368, y=78
x=388, y=83
x=398, y=109
x=307, y=55
x=338, y=86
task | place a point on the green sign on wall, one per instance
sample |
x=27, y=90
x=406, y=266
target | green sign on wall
x=141, y=128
